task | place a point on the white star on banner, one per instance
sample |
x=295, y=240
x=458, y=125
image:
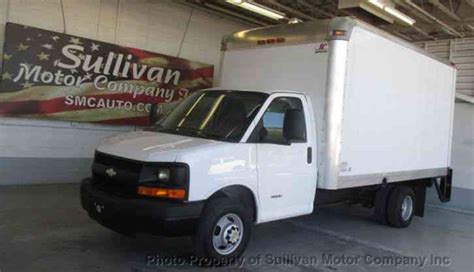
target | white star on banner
x=47, y=46
x=81, y=56
x=26, y=85
x=94, y=47
x=55, y=38
x=55, y=63
x=73, y=71
x=6, y=75
x=88, y=76
x=22, y=47
x=43, y=56
x=6, y=56
x=75, y=41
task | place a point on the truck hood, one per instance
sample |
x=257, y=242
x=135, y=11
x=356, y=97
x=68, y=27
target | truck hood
x=151, y=146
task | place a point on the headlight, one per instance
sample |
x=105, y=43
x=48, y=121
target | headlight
x=166, y=180
x=163, y=174
x=167, y=174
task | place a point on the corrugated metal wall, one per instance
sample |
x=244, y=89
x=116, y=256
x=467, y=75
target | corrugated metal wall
x=461, y=53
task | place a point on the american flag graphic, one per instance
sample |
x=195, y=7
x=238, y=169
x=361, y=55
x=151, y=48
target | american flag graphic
x=91, y=81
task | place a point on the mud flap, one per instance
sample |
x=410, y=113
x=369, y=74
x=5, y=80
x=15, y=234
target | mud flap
x=443, y=186
x=420, y=197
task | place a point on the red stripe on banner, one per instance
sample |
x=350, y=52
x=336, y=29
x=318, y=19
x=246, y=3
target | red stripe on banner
x=140, y=53
x=206, y=72
x=138, y=121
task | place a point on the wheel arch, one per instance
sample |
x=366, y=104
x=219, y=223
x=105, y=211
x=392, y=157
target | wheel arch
x=240, y=192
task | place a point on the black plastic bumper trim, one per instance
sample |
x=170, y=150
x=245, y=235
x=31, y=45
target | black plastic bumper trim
x=140, y=215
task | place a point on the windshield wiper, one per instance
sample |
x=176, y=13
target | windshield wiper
x=207, y=134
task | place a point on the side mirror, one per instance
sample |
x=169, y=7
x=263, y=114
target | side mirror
x=294, y=127
x=154, y=114
x=262, y=134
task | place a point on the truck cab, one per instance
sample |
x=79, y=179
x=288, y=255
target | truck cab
x=255, y=146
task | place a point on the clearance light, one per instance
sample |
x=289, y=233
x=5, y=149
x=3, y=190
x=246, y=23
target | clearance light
x=161, y=192
x=339, y=33
x=257, y=8
x=392, y=11
x=271, y=41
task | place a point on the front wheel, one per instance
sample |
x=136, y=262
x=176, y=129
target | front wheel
x=224, y=230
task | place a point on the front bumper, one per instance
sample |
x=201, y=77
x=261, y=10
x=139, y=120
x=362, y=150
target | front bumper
x=140, y=215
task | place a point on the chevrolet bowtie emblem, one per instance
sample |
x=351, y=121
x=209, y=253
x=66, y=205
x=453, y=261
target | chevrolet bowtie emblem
x=110, y=172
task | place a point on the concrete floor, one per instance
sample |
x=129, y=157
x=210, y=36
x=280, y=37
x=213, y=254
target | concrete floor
x=43, y=228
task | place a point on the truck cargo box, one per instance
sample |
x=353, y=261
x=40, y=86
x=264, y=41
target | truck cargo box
x=383, y=108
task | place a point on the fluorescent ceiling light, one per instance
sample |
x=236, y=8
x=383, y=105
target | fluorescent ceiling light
x=257, y=8
x=377, y=4
x=392, y=11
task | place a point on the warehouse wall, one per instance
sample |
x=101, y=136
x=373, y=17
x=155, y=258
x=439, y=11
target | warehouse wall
x=461, y=53
x=39, y=151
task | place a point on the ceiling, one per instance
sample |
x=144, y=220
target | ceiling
x=435, y=19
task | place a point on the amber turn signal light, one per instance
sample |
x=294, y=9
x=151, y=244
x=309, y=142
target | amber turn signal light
x=161, y=192
x=339, y=32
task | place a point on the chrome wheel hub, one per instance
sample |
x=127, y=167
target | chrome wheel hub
x=227, y=234
x=407, y=208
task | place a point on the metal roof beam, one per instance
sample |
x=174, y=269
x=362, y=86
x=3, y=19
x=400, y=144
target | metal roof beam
x=444, y=26
x=290, y=10
x=424, y=33
x=465, y=97
x=445, y=10
x=401, y=35
x=311, y=7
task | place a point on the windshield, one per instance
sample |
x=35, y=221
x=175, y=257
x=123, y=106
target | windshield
x=219, y=115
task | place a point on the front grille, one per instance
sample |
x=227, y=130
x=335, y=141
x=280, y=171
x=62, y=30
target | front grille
x=121, y=163
x=123, y=182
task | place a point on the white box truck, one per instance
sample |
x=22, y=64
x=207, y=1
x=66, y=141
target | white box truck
x=305, y=115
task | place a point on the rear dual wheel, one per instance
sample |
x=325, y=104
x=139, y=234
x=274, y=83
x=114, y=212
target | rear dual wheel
x=401, y=206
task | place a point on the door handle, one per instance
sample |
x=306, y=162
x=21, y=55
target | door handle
x=309, y=155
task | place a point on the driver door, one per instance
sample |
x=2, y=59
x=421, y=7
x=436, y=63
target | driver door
x=285, y=165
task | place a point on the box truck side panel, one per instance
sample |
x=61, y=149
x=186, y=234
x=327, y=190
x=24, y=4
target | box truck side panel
x=397, y=113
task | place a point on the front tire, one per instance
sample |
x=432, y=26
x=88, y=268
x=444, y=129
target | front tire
x=224, y=230
x=401, y=206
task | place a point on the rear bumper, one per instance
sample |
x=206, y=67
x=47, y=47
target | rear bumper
x=140, y=215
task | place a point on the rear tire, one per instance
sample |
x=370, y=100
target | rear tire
x=401, y=206
x=223, y=231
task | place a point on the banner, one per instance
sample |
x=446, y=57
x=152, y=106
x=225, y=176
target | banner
x=57, y=76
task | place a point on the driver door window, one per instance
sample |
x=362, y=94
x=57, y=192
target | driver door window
x=282, y=123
